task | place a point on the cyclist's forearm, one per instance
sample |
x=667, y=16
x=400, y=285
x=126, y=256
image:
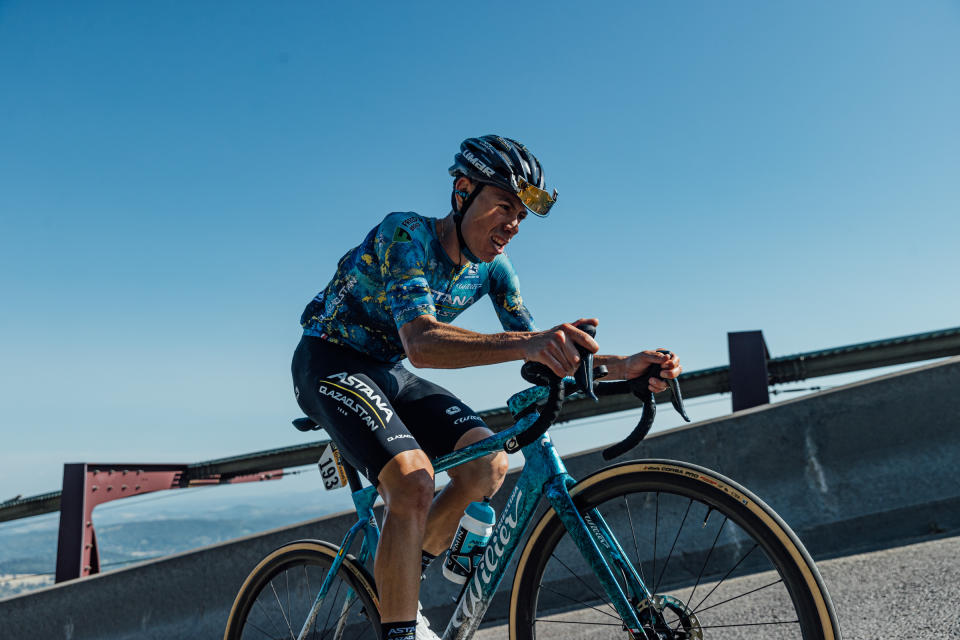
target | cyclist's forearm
x=444, y=346
x=616, y=366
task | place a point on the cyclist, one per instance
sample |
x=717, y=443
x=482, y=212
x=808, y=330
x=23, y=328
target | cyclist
x=393, y=297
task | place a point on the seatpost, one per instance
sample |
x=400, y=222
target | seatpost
x=353, y=478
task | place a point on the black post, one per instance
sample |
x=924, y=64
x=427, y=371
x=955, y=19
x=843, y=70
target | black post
x=748, y=369
x=70, y=539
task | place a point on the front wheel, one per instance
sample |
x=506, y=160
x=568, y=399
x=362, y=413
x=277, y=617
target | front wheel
x=717, y=561
x=276, y=598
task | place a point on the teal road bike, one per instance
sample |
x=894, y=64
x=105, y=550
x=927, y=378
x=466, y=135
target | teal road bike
x=645, y=549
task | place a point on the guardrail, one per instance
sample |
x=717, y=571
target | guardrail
x=850, y=469
x=792, y=368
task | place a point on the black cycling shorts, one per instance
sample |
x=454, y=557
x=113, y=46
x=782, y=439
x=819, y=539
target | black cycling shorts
x=374, y=410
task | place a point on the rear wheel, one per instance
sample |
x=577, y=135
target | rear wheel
x=718, y=561
x=277, y=596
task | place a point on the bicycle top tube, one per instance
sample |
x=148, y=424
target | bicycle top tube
x=490, y=444
x=522, y=405
x=518, y=403
x=368, y=495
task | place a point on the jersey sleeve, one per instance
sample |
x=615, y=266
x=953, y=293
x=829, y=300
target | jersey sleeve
x=505, y=294
x=402, y=254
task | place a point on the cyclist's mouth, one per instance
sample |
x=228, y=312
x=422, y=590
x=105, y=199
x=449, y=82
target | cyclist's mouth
x=498, y=244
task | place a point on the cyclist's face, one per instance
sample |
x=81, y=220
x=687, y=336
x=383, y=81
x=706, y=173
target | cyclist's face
x=492, y=221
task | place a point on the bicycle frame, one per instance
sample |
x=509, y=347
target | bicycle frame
x=543, y=475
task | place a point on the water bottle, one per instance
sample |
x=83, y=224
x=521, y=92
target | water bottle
x=473, y=534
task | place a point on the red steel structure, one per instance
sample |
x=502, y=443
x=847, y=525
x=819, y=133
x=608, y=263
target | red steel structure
x=86, y=485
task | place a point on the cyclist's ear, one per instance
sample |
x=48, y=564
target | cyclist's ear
x=462, y=187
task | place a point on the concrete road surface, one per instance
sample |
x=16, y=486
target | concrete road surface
x=911, y=591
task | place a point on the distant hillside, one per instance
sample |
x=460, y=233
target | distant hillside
x=28, y=548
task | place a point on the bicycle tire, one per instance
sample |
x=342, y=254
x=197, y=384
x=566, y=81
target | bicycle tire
x=629, y=494
x=276, y=597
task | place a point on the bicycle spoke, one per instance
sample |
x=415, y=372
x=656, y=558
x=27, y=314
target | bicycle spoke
x=268, y=617
x=674, y=546
x=306, y=578
x=593, y=591
x=279, y=604
x=727, y=575
x=330, y=612
x=766, y=586
x=580, y=602
x=636, y=545
x=595, y=624
x=346, y=612
x=656, y=526
x=705, y=562
x=749, y=624
x=359, y=626
x=251, y=624
x=286, y=575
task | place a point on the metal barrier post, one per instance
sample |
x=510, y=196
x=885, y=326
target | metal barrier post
x=71, y=540
x=749, y=379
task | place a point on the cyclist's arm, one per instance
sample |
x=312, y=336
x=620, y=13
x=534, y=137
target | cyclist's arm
x=434, y=344
x=431, y=343
x=505, y=296
x=628, y=367
x=616, y=366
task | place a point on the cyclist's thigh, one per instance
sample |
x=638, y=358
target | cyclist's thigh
x=435, y=417
x=351, y=397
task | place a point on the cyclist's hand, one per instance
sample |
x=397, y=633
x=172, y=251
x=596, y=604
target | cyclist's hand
x=557, y=349
x=639, y=363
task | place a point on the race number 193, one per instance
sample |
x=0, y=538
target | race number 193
x=332, y=472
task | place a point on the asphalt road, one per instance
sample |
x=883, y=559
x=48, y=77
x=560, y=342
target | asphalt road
x=911, y=591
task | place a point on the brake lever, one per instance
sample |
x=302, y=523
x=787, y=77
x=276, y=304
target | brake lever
x=541, y=375
x=676, y=398
x=585, y=372
x=640, y=388
x=585, y=375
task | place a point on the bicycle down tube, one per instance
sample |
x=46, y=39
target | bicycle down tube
x=543, y=472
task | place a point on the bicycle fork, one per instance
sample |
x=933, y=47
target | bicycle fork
x=600, y=548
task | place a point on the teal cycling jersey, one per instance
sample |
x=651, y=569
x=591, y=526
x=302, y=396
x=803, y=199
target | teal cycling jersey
x=399, y=273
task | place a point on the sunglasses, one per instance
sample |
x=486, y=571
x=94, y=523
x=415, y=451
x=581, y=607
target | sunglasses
x=535, y=199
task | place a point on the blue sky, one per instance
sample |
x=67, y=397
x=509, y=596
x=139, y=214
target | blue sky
x=178, y=180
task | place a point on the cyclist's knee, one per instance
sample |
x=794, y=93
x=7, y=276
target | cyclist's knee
x=406, y=484
x=482, y=476
x=500, y=465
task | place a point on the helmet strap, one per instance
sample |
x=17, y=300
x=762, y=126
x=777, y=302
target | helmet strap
x=458, y=221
